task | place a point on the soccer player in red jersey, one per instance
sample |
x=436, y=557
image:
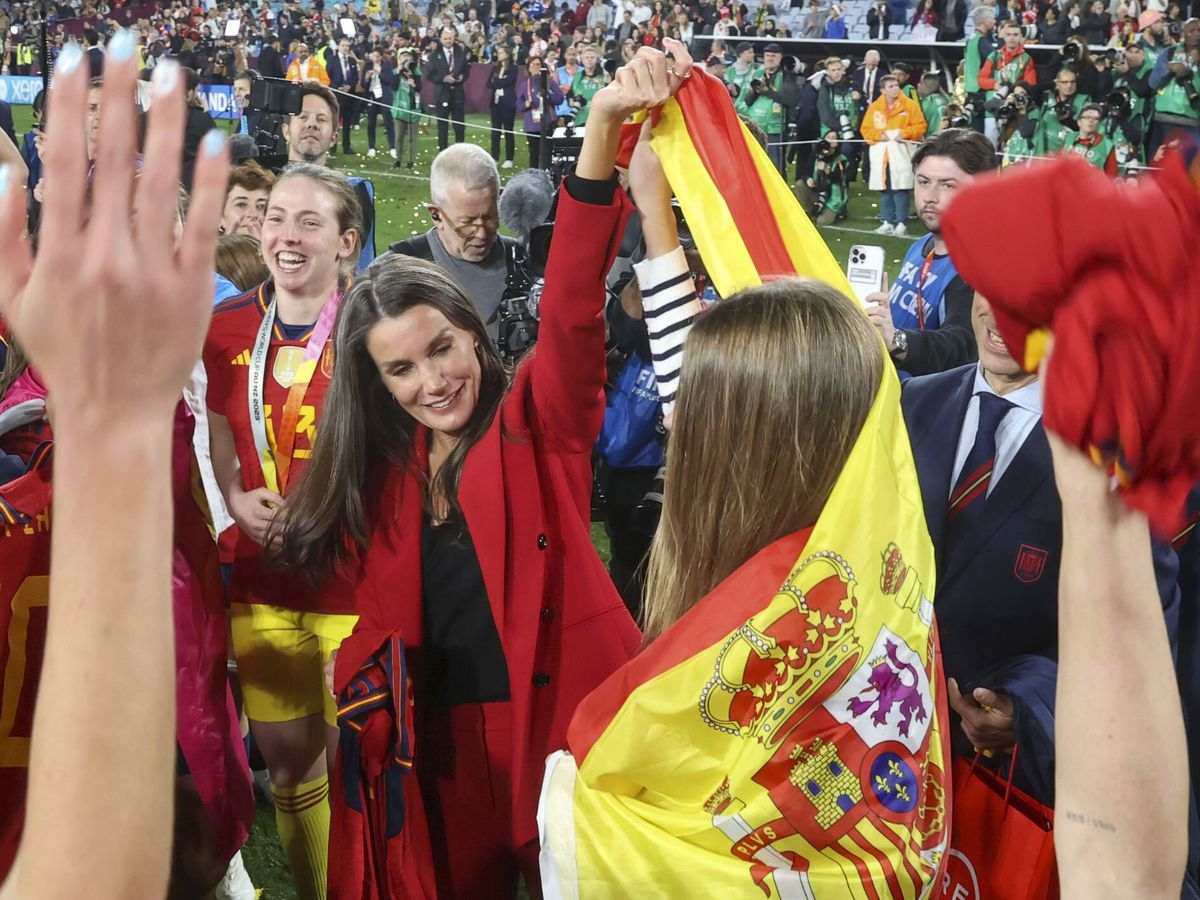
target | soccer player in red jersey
x=269, y=358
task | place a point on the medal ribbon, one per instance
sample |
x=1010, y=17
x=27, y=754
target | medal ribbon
x=276, y=464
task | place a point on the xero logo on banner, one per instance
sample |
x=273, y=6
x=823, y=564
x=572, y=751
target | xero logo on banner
x=19, y=90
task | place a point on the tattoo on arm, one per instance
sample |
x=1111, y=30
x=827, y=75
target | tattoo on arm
x=1089, y=821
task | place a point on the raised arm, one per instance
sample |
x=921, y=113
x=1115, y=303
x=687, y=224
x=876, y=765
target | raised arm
x=113, y=317
x=1121, y=823
x=567, y=368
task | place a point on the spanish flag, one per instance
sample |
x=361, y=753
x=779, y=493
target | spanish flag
x=746, y=221
x=785, y=738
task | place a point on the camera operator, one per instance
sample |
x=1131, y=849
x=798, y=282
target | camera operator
x=768, y=101
x=744, y=67
x=1176, y=78
x=839, y=110
x=1056, y=125
x=1126, y=129
x=829, y=187
x=1094, y=81
x=406, y=105
x=310, y=135
x=1132, y=68
x=465, y=240
x=1091, y=143
x=1017, y=128
x=1008, y=65
x=979, y=48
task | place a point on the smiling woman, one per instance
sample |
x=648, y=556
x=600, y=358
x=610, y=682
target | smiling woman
x=269, y=362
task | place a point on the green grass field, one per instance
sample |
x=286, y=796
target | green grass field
x=400, y=213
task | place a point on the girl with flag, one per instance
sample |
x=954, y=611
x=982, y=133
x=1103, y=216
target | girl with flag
x=782, y=729
x=460, y=500
x=269, y=357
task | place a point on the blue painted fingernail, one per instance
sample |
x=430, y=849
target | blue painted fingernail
x=120, y=48
x=214, y=143
x=69, y=59
x=5, y=177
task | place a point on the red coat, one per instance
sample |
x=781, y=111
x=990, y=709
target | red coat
x=525, y=492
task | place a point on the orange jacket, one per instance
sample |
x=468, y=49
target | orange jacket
x=316, y=71
x=904, y=114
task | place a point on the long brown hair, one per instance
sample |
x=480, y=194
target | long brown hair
x=776, y=384
x=363, y=430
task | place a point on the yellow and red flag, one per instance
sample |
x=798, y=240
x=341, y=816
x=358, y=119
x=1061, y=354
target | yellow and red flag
x=747, y=223
x=785, y=738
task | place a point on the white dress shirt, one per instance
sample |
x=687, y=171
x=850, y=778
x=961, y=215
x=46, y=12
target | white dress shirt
x=1011, y=433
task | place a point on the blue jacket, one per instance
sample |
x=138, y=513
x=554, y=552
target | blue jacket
x=997, y=598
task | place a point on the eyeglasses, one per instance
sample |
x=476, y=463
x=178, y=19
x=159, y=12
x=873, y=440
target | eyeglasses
x=466, y=228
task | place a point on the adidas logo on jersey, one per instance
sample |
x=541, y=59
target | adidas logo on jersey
x=242, y=359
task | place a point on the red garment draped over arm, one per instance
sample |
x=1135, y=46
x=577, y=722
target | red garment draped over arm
x=1109, y=268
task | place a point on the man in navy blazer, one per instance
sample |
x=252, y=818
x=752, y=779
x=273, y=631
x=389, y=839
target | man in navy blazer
x=996, y=525
x=345, y=78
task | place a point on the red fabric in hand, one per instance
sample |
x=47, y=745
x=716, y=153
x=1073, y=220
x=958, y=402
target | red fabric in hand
x=1111, y=270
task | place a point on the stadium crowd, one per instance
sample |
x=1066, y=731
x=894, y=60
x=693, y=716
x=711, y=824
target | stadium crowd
x=383, y=466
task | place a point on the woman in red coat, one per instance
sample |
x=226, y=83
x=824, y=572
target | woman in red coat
x=461, y=504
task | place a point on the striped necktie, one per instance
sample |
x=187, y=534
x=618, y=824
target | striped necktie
x=970, y=491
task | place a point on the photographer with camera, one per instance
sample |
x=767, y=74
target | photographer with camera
x=1056, y=125
x=1017, y=128
x=379, y=88
x=879, y=21
x=978, y=50
x=768, y=101
x=1006, y=66
x=829, y=185
x=744, y=67
x=406, y=105
x=839, y=110
x=538, y=117
x=1126, y=129
x=1176, y=79
x=1091, y=143
x=588, y=81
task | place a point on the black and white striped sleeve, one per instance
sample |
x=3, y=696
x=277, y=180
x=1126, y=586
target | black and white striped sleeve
x=670, y=305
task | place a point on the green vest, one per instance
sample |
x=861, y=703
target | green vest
x=1008, y=73
x=740, y=81
x=1129, y=155
x=405, y=103
x=1137, y=104
x=764, y=112
x=932, y=107
x=1052, y=135
x=972, y=63
x=24, y=55
x=586, y=88
x=1017, y=150
x=1096, y=154
x=1172, y=97
x=843, y=102
x=910, y=92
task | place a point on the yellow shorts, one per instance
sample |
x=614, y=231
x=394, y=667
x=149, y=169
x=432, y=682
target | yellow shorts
x=281, y=656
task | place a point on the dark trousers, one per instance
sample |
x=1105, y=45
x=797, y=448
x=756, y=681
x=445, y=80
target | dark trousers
x=349, y=116
x=628, y=538
x=535, y=149
x=375, y=112
x=452, y=107
x=503, y=117
x=776, y=152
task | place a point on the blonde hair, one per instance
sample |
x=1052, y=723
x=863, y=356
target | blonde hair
x=776, y=384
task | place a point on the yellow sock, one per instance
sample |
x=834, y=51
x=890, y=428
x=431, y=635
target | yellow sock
x=302, y=817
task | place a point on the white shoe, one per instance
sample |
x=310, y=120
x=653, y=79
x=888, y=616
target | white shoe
x=885, y=228
x=371, y=153
x=507, y=164
x=900, y=230
x=393, y=152
x=236, y=885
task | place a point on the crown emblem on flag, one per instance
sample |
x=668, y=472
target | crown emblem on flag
x=773, y=670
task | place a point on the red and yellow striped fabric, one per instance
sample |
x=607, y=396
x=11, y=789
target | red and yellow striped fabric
x=746, y=221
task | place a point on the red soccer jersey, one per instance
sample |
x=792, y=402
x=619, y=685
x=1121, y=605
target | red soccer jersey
x=227, y=356
x=24, y=593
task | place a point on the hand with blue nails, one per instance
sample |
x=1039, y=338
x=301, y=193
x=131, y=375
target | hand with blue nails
x=112, y=312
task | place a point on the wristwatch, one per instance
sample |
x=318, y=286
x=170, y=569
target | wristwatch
x=899, y=348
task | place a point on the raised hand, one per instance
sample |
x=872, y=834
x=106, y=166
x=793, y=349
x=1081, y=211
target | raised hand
x=142, y=299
